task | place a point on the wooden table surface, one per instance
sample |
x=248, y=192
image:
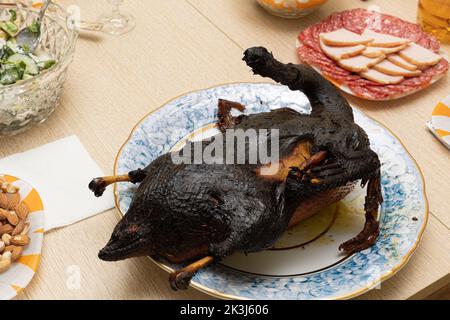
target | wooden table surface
x=184, y=45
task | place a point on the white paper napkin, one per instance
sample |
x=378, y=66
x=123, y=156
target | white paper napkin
x=60, y=172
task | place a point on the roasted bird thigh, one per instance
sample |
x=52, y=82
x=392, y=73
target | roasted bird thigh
x=183, y=212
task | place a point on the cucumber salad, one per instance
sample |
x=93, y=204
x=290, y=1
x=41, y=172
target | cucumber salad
x=18, y=63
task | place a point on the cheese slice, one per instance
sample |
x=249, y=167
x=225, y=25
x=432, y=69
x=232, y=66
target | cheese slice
x=374, y=52
x=338, y=53
x=344, y=38
x=392, y=69
x=359, y=63
x=399, y=61
x=420, y=56
x=382, y=78
x=384, y=40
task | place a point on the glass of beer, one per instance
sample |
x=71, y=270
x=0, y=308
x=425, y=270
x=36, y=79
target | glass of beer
x=434, y=18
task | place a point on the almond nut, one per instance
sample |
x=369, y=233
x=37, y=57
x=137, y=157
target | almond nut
x=6, y=238
x=26, y=228
x=16, y=252
x=6, y=256
x=22, y=211
x=19, y=228
x=4, y=186
x=3, y=200
x=3, y=214
x=5, y=264
x=13, y=201
x=8, y=187
x=11, y=189
x=2, y=246
x=6, y=228
x=20, y=240
x=12, y=217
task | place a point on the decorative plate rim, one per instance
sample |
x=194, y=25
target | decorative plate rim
x=440, y=130
x=221, y=295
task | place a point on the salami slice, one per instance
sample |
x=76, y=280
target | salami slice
x=357, y=20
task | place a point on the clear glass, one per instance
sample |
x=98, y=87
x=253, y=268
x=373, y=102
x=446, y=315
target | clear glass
x=116, y=22
x=30, y=102
x=434, y=18
x=291, y=8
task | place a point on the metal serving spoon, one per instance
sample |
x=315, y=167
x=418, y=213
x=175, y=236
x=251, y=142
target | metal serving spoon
x=29, y=39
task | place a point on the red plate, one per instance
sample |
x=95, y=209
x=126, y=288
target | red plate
x=357, y=20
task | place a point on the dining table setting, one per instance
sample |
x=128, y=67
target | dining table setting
x=100, y=99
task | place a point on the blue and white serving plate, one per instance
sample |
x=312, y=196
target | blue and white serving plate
x=306, y=263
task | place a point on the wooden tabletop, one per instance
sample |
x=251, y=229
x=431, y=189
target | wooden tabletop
x=184, y=45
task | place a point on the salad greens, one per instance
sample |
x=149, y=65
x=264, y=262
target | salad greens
x=16, y=62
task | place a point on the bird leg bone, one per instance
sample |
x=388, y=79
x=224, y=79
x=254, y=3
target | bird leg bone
x=99, y=185
x=368, y=237
x=180, y=280
x=226, y=119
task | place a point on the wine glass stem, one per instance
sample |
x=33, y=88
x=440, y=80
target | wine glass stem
x=116, y=10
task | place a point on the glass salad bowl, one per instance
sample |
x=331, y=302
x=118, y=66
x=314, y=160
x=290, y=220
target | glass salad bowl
x=291, y=8
x=33, y=99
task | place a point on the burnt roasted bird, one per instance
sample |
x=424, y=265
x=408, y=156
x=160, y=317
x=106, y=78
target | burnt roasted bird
x=201, y=213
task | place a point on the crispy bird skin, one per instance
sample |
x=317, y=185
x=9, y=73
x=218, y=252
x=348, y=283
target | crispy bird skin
x=207, y=212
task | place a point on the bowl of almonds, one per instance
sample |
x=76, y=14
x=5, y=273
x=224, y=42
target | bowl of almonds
x=21, y=235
